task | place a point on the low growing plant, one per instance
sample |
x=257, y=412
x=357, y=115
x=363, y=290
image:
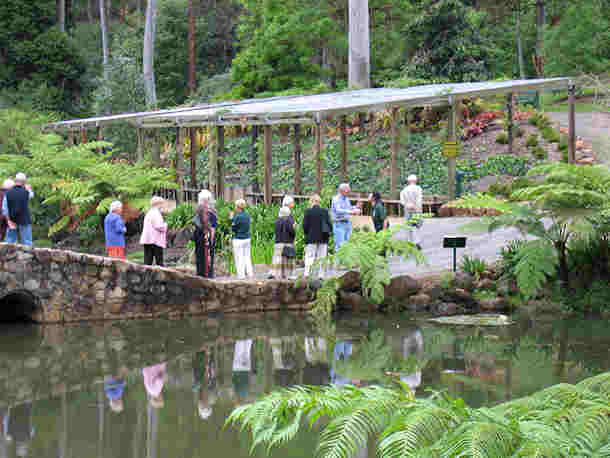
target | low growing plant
x=473, y=266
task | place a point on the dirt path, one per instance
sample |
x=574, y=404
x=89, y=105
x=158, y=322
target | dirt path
x=593, y=127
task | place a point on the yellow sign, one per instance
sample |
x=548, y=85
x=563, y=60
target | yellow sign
x=450, y=149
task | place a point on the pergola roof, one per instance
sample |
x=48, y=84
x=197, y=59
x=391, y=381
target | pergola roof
x=311, y=108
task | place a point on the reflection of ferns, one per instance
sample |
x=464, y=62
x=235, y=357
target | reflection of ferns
x=560, y=421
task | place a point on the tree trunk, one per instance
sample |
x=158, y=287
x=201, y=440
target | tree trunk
x=61, y=15
x=104, y=28
x=149, y=54
x=519, y=43
x=359, y=45
x=90, y=9
x=191, y=46
x=540, y=23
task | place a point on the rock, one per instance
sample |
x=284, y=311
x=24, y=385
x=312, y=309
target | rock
x=419, y=302
x=31, y=285
x=354, y=302
x=400, y=288
x=350, y=281
x=486, y=283
x=586, y=161
x=446, y=308
x=445, y=211
x=496, y=304
x=432, y=290
x=464, y=281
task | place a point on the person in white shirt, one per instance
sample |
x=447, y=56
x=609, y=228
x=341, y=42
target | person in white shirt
x=411, y=198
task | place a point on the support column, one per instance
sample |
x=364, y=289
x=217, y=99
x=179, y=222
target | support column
x=509, y=121
x=179, y=165
x=70, y=138
x=268, y=159
x=140, y=147
x=297, y=159
x=254, y=159
x=194, y=152
x=83, y=135
x=395, y=171
x=572, y=124
x=318, y=153
x=344, y=149
x=452, y=161
x=156, y=149
x=220, y=161
x=213, y=167
x=100, y=137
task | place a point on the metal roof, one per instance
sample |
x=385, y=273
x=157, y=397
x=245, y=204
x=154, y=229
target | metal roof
x=312, y=108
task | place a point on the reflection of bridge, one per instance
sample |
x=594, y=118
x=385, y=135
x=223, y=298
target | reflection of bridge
x=61, y=286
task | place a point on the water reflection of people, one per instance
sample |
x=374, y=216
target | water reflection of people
x=3, y=441
x=284, y=360
x=114, y=386
x=316, y=368
x=242, y=366
x=154, y=380
x=343, y=350
x=18, y=427
x=204, y=382
x=412, y=347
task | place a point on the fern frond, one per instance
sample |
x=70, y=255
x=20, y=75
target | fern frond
x=536, y=262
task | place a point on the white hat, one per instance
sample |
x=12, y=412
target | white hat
x=156, y=200
x=412, y=178
x=20, y=177
x=205, y=412
x=284, y=211
x=8, y=183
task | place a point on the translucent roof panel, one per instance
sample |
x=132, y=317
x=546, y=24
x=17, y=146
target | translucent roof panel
x=313, y=108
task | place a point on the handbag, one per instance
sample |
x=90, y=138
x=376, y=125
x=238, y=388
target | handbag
x=289, y=252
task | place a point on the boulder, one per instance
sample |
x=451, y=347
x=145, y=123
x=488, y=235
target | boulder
x=419, y=302
x=497, y=304
x=446, y=308
x=400, y=288
x=355, y=302
x=350, y=281
x=485, y=283
x=464, y=281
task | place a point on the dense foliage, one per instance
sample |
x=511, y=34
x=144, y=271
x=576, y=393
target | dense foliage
x=561, y=421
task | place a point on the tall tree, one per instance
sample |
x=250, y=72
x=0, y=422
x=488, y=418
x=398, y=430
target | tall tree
x=149, y=54
x=61, y=15
x=191, y=45
x=90, y=8
x=104, y=28
x=359, y=66
x=540, y=23
x=518, y=38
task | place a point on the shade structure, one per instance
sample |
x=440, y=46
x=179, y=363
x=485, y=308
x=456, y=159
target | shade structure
x=311, y=108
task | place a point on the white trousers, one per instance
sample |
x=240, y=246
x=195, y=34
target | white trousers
x=315, y=251
x=243, y=260
x=413, y=232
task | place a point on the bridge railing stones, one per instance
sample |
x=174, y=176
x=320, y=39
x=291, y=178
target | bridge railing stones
x=72, y=286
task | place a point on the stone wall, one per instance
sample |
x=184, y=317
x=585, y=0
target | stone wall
x=67, y=286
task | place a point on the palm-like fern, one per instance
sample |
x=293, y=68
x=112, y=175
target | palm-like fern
x=560, y=421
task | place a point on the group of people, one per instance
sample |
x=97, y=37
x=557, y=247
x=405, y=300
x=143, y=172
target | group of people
x=16, y=221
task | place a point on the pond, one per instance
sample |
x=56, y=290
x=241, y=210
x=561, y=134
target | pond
x=164, y=388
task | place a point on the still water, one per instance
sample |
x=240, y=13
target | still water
x=148, y=389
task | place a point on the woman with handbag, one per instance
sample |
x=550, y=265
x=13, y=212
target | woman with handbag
x=205, y=221
x=284, y=253
x=317, y=228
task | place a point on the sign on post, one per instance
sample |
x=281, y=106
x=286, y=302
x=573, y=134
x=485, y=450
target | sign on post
x=455, y=242
x=450, y=149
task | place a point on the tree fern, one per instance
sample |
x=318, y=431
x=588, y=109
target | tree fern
x=536, y=262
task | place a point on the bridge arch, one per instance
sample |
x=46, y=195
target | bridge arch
x=20, y=306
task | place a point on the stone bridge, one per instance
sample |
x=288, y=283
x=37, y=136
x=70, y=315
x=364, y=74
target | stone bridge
x=53, y=286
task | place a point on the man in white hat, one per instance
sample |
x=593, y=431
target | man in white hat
x=15, y=206
x=411, y=197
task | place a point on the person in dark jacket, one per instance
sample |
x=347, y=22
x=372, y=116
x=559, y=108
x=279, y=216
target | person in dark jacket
x=15, y=206
x=317, y=228
x=6, y=187
x=240, y=223
x=283, y=265
x=205, y=221
x=379, y=215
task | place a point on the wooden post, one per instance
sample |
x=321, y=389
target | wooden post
x=194, y=151
x=100, y=137
x=220, y=161
x=70, y=138
x=395, y=171
x=83, y=135
x=254, y=158
x=318, y=153
x=268, y=159
x=213, y=168
x=344, y=149
x=452, y=161
x=156, y=149
x=297, y=159
x=572, y=124
x=140, y=147
x=179, y=165
x=509, y=121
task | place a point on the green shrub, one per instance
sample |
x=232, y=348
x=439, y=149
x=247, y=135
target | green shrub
x=181, y=216
x=532, y=141
x=500, y=189
x=520, y=183
x=550, y=134
x=540, y=153
x=517, y=132
x=502, y=138
x=473, y=266
x=509, y=258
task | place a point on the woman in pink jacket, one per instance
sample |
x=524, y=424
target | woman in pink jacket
x=154, y=233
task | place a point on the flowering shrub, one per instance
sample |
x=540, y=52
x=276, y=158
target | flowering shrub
x=478, y=125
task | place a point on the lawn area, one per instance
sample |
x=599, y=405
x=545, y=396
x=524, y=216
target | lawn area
x=136, y=256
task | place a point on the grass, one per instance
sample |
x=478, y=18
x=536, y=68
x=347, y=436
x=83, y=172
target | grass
x=43, y=243
x=136, y=256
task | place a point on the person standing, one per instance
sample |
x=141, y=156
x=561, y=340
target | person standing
x=6, y=186
x=411, y=197
x=154, y=233
x=378, y=215
x=240, y=223
x=205, y=221
x=15, y=207
x=342, y=211
x=114, y=231
x=154, y=380
x=284, y=253
x=317, y=227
